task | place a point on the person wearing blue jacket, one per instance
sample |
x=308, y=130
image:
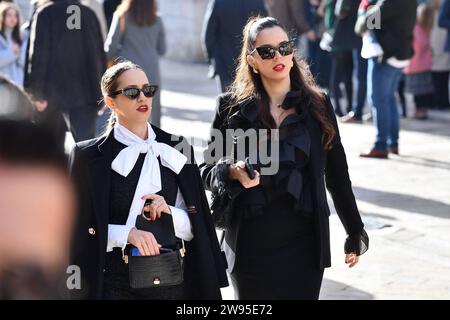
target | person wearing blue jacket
x=12, y=50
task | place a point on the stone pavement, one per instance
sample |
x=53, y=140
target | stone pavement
x=404, y=201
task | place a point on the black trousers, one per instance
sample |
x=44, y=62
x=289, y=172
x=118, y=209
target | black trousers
x=401, y=95
x=342, y=71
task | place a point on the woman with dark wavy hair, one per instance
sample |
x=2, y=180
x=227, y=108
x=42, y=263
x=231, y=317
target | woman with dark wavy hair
x=276, y=226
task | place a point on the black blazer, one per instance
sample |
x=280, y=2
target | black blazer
x=397, y=20
x=330, y=164
x=90, y=164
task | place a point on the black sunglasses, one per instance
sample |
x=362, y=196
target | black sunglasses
x=149, y=90
x=268, y=52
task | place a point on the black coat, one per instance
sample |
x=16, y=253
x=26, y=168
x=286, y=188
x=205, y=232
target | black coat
x=397, y=24
x=344, y=37
x=330, y=164
x=65, y=65
x=91, y=170
x=222, y=32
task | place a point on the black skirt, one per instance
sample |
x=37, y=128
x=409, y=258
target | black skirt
x=276, y=256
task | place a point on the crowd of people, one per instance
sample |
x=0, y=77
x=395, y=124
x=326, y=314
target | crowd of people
x=353, y=44
x=42, y=53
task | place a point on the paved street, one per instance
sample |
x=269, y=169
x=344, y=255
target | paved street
x=404, y=201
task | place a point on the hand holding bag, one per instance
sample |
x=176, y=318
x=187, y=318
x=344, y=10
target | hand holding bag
x=165, y=269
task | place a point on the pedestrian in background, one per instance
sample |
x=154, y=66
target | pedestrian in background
x=444, y=21
x=396, y=18
x=97, y=7
x=12, y=48
x=137, y=34
x=109, y=7
x=419, y=81
x=344, y=43
x=222, y=35
x=292, y=14
x=440, y=68
x=64, y=69
x=319, y=59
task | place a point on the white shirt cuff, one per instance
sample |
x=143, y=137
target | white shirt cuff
x=117, y=236
x=182, y=224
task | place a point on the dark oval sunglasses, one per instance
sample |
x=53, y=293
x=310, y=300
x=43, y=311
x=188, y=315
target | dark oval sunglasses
x=149, y=90
x=266, y=52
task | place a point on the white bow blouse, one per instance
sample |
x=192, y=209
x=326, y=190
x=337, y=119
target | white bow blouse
x=149, y=181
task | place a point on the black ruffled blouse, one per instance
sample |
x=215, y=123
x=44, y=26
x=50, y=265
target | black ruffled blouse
x=292, y=182
x=292, y=177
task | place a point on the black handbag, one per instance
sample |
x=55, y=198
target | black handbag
x=222, y=205
x=165, y=269
x=221, y=208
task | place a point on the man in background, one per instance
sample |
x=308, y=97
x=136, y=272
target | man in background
x=65, y=64
x=222, y=35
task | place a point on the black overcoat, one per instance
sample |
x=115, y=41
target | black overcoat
x=328, y=171
x=90, y=164
x=65, y=59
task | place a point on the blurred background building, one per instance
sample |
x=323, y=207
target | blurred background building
x=183, y=20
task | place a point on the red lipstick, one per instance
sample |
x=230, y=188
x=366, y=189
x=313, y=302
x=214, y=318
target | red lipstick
x=279, y=67
x=142, y=108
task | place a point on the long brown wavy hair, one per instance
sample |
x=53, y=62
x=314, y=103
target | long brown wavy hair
x=247, y=83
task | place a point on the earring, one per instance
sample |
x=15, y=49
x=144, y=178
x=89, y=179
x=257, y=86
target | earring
x=255, y=71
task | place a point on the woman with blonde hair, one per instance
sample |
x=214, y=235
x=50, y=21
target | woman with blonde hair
x=129, y=179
